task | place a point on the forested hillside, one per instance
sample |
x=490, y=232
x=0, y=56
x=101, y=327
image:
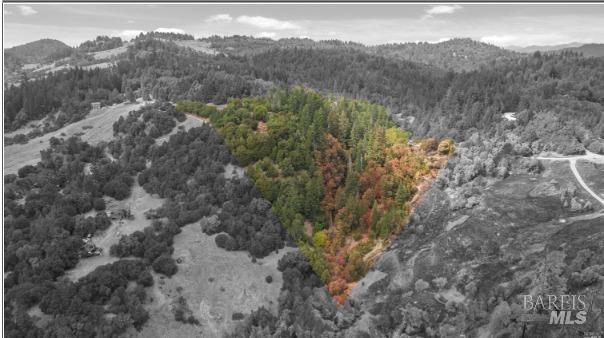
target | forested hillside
x=455, y=54
x=239, y=45
x=66, y=96
x=426, y=100
x=339, y=174
x=100, y=43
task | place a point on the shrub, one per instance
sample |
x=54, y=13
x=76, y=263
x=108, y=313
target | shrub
x=26, y=170
x=446, y=147
x=597, y=147
x=165, y=265
x=439, y=282
x=9, y=178
x=98, y=204
x=226, y=242
x=421, y=285
x=145, y=279
x=319, y=239
x=101, y=221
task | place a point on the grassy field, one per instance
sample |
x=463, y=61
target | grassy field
x=198, y=46
x=19, y=155
x=106, y=54
x=31, y=125
x=216, y=283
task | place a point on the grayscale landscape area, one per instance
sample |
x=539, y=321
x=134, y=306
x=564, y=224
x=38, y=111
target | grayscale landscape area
x=303, y=170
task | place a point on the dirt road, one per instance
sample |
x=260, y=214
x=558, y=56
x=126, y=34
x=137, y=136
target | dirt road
x=589, y=156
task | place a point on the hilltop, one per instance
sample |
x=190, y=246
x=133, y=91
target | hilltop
x=455, y=54
x=39, y=51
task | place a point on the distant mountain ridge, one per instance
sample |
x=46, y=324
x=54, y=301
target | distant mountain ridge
x=543, y=48
x=459, y=54
x=588, y=50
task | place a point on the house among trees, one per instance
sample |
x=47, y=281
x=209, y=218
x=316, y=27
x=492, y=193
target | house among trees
x=89, y=249
x=96, y=105
x=118, y=214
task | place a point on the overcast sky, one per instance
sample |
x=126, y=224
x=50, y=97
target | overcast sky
x=499, y=24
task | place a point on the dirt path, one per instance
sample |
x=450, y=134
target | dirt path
x=589, y=156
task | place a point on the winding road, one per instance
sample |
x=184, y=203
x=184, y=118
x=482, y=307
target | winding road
x=589, y=156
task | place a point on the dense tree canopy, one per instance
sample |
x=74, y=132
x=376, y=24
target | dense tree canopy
x=338, y=172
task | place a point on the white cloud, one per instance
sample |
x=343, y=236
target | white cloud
x=130, y=33
x=220, y=18
x=130, y=21
x=441, y=9
x=26, y=10
x=170, y=30
x=270, y=35
x=266, y=23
